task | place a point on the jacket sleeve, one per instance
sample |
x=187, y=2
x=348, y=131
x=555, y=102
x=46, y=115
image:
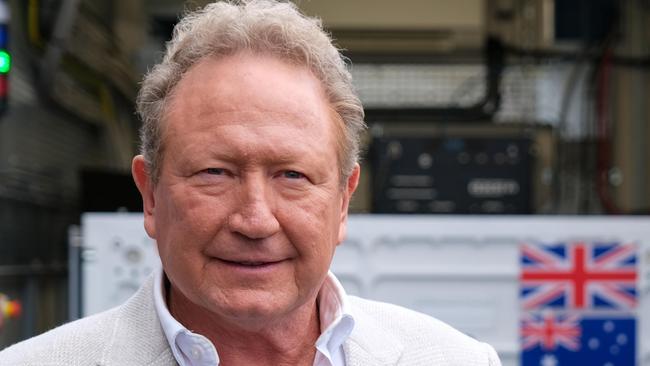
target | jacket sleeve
x=493, y=358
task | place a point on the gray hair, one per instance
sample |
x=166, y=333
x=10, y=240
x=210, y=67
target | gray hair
x=261, y=26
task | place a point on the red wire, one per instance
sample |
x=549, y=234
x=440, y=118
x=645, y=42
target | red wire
x=604, y=145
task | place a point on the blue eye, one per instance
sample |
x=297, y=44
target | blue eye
x=215, y=171
x=291, y=174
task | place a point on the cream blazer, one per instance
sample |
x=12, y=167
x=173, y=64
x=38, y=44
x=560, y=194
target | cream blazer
x=131, y=335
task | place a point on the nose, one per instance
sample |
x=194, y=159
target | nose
x=254, y=217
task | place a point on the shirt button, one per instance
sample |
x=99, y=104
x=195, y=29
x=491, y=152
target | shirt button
x=196, y=352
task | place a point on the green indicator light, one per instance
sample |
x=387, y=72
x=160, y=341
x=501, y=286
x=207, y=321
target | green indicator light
x=5, y=62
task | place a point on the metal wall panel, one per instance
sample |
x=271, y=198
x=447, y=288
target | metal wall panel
x=463, y=270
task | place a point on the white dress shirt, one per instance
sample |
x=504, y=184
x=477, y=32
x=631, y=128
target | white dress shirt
x=193, y=349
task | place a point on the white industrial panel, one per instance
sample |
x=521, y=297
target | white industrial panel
x=465, y=269
x=117, y=257
x=461, y=269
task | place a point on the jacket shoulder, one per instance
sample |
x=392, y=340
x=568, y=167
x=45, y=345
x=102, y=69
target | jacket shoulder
x=129, y=334
x=78, y=342
x=425, y=338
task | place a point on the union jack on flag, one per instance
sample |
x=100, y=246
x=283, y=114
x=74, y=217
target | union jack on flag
x=579, y=275
x=550, y=332
x=575, y=338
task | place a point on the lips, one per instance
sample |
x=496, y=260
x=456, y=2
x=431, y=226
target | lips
x=250, y=263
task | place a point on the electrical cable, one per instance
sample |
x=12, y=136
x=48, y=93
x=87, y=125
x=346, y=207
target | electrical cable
x=549, y=54
x=567, y=97
x=482, y=111
x=604, y=144
x=601, y=56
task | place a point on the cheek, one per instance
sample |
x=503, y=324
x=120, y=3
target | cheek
x=312, y=226
x=189, y=217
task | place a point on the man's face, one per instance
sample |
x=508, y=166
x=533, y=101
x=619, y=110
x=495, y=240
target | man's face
x=248, y=208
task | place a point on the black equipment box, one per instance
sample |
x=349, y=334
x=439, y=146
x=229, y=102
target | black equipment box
x=451, y=175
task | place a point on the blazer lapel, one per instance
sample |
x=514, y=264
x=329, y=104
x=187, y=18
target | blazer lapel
x=137, y=337
x=369, y=344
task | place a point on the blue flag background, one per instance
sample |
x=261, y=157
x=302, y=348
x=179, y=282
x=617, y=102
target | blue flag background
x=609, y=341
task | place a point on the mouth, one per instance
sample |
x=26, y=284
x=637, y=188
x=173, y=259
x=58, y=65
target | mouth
x=250, y=264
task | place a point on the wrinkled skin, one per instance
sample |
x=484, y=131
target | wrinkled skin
x=249, y=206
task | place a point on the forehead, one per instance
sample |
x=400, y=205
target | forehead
x=259, y=80
x=250, y=91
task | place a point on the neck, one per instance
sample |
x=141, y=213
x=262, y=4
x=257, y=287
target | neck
x=288, y=340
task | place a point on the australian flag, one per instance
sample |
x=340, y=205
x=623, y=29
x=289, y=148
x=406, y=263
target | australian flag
x=579, y=275
x=557, y=339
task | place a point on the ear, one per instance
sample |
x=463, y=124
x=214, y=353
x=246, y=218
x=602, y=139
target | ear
x=351, y=186
x=145, y=186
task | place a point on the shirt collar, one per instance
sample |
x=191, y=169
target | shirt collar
x=191, y=349
x=336, y=321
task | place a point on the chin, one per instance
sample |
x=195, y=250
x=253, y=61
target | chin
x=250, y=303
x=257, y=308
